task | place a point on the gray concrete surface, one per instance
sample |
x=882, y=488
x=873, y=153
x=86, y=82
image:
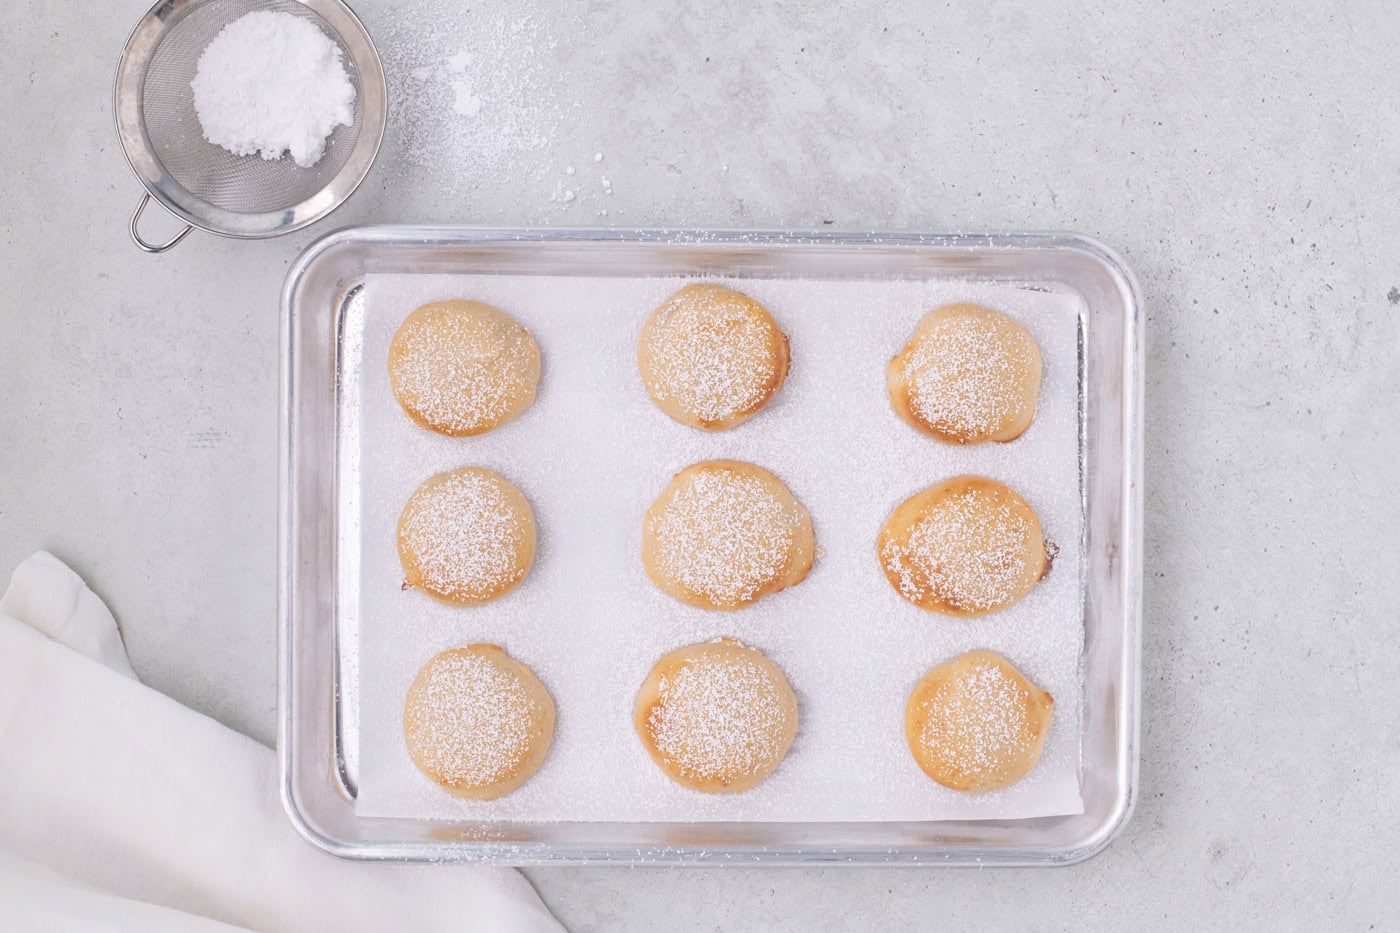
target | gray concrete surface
x=1243, y=157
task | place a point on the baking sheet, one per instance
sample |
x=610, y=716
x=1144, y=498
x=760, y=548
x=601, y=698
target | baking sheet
x=593, y=452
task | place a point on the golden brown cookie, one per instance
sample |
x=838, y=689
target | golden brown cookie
x=717, y=717
x=462, y=367
x=466, y=537
x=965, y=547
x=477, y=721
x=712, y=357
x=724, y=534
x=976, y=723
x=969, y=374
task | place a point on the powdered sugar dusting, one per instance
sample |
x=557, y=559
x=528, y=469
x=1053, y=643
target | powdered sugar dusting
x=463, y=368
x=469, y=721
x=724, y=534
x=965, y=377
x=719, y=718
x=970, y=549
x=712, y=354
x=475, y=91
x=593, y=453
x=977, y=722
x=466, y=534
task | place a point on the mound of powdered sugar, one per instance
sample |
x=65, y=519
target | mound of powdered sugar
x=272, y=83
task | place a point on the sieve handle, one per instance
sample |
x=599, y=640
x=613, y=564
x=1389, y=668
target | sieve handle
x=153, y=247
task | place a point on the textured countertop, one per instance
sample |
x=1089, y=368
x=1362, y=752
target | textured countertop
x=1245, y=163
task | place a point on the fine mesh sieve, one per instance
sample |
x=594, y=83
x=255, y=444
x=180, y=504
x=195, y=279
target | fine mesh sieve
x=206, y=185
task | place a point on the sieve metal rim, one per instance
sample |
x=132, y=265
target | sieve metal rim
x=128, y=114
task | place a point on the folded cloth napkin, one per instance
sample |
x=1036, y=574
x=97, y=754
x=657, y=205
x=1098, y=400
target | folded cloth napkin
x=121, y=809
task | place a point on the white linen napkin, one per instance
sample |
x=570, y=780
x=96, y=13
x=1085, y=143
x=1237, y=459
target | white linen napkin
x=122, y=809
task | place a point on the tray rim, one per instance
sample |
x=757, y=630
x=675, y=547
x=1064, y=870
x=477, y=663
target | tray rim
x=542, y=853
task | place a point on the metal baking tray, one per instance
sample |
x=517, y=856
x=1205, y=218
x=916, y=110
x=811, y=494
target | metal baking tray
x=318, y=539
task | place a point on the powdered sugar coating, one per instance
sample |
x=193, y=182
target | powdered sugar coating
x=595, y=454
x=466, y=536
x=724, y=534
x=969, y=545
x=976, y=723
x=472, y=722
x=969, y=374
x=711, y=356
x=721, y=718
x=462, y=367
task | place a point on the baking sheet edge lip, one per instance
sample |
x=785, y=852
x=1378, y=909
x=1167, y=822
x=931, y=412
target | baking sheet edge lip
x=285, y=524
x=1130, y=703
x=1135, y=354
x=514, y=856
x=419, y=234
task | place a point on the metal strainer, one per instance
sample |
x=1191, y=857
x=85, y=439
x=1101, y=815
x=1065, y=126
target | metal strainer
x=206, y=185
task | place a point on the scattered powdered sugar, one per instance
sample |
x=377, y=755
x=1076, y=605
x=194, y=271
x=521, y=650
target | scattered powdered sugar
x=970, y=549
x=271, y=83
x=724, y=534
x=477, y=92
x=719, y=718
x=466, y=534
x=467, y=720
x=592, y=454
x=978, y=721
x=711, y=353
x=965, y=378
x=462, y=371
